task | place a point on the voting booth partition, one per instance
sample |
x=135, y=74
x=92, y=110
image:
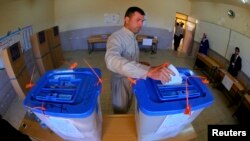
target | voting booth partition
x=46, y=47
x=54, y=44
x=17, y=71
x=41, y=51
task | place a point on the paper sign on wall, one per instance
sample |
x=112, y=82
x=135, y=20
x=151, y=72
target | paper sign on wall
x=227, y=82
x=147, y=42
x=111, y=18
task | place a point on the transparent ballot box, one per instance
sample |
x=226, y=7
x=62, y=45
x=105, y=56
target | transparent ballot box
x=68, y=102
x=160, y=109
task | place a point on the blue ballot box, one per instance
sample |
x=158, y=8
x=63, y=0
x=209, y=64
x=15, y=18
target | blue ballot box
x=160, y=108
x=68, y=102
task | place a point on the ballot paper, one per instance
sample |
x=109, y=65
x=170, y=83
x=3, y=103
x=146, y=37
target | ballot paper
x=175, y=79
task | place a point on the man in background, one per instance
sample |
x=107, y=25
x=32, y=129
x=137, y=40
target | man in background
x=235, y=63
x=179, y=34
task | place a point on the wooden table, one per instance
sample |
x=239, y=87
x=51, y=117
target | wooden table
x=237, y=90
x=210, y=63
x=140, y=38
x=102, y=38
x=208, y=60
x=34, y=130
x=247, y=100
x=115, y=128
x=92, y=40
x=127, y=129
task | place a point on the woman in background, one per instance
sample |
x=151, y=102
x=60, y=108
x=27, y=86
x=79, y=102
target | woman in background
x=204, y=44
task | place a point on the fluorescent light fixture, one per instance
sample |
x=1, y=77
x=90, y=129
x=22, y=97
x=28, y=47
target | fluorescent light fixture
x=244, y=1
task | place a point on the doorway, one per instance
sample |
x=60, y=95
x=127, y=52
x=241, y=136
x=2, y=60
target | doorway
x=189, y=25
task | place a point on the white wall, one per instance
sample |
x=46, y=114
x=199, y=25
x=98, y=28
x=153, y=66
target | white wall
x=225, y=33
x=77, y=14
x=217, y=14
x=20, y=13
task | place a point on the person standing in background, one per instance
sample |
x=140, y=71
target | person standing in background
x=204, y=44
x=181, y=31
x=177, y=36
x=122, y=58
x=235, y=63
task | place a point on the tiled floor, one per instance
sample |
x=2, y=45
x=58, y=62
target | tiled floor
x=218, y=113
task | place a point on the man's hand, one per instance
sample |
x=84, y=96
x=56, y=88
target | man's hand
x=160, y=73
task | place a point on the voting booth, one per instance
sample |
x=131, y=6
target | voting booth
x=16, y=69
x=54, y=44
x=41, y=51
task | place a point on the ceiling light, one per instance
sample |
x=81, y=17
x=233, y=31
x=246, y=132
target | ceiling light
x=244, y=1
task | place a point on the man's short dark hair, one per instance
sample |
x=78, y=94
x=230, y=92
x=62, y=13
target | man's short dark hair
x=132, y=10
x=237, y=48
